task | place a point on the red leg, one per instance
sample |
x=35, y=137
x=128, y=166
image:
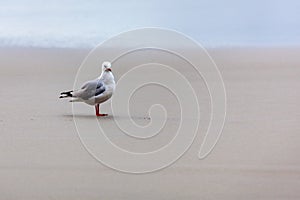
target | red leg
x=98, y=111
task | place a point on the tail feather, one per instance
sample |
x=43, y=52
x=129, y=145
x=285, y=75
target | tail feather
x=75, y=100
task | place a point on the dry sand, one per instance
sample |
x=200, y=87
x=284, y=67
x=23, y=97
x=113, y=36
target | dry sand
x=257, y=157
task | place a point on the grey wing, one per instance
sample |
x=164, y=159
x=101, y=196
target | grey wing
x=90, y=89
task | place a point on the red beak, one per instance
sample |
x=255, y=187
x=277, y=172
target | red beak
x=108, y=69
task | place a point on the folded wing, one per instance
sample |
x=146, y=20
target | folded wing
x=90, y=89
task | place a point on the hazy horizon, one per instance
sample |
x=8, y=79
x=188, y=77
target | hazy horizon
x=212, y=23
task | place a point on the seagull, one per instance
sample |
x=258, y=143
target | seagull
x=96, y=91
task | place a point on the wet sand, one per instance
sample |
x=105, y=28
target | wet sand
x=257, y=156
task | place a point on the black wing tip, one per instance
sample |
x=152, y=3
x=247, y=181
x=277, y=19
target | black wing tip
x=66, y=94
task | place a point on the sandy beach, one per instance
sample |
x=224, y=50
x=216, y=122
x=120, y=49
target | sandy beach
x=257, y=156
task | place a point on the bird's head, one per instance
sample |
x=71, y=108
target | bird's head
x=106, y=67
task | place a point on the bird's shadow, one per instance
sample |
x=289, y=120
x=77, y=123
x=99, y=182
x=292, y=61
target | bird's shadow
x=83, y=116
x=109, y=117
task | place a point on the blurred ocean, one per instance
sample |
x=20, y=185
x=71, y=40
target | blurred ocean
x=80, y=23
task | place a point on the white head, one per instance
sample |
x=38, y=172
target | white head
x=106, y=75
x=106, y=66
